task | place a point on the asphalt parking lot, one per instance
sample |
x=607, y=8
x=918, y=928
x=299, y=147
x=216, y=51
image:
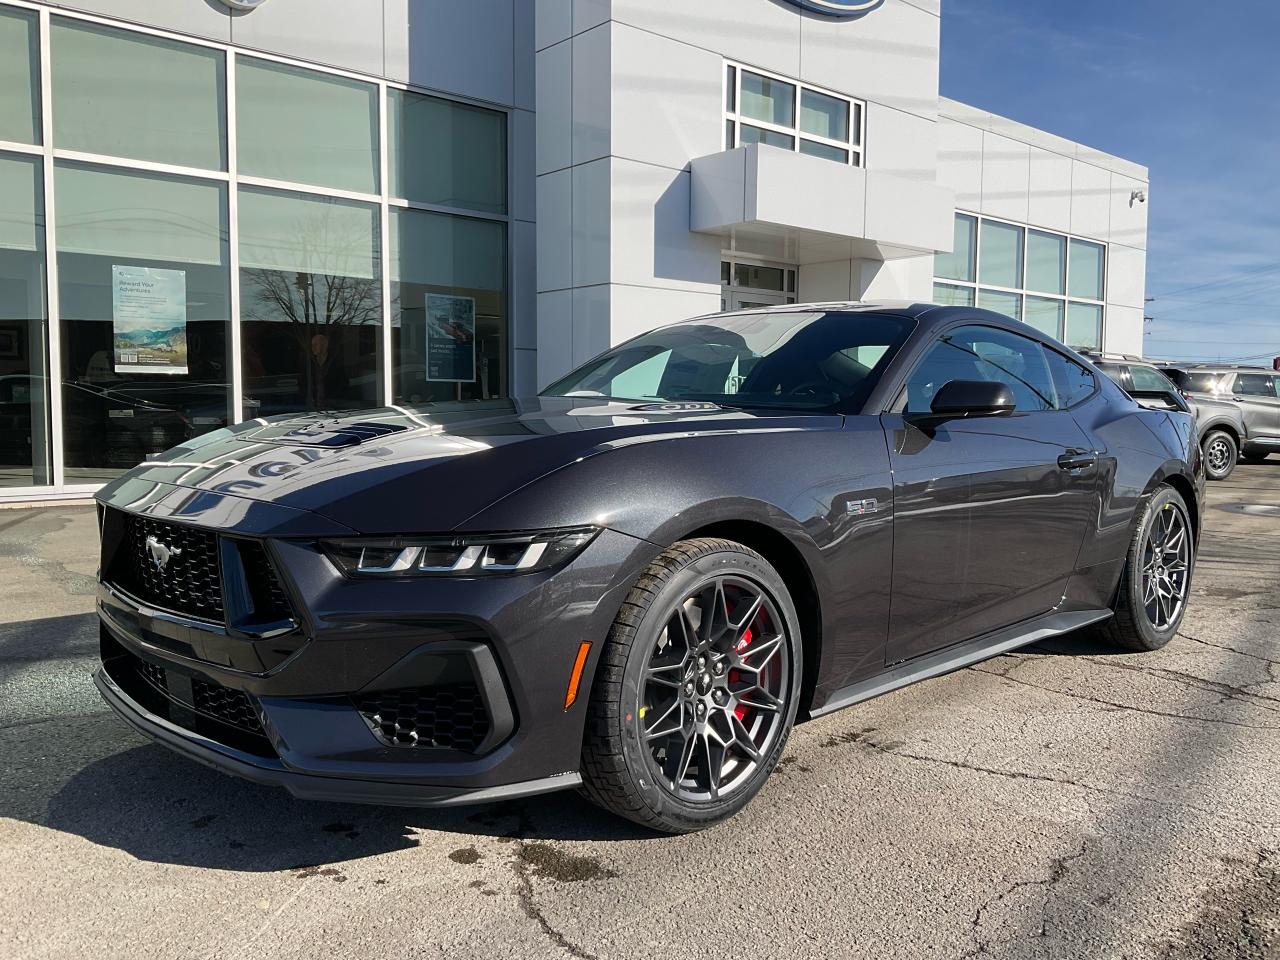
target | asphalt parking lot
x=1063, y=801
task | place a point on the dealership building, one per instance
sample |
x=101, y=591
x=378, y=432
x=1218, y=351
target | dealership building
x=213, y=210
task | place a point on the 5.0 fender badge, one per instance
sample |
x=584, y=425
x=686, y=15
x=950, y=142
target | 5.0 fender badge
x=861, y=508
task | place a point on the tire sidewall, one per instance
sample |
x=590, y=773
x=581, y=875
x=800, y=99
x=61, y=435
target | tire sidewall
x=1233, y=455
x=674, y=592
x=1152, y=638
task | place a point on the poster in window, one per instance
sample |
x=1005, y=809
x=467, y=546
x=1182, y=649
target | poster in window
x=149, y=312
x=451, y=339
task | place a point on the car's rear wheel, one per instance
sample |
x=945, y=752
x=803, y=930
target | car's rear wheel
x=1220, y=454
x=1156, y=583
x=696, y=691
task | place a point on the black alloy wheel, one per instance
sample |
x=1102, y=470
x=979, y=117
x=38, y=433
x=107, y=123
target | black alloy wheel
x=697, y=689
x=714, y=690
x=1166, y=567
x=1152, y=596
x=1220, y=454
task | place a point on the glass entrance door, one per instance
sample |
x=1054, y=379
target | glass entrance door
x=747, y=284
x=749, y=300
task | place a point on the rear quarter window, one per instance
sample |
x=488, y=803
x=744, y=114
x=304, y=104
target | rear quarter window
x=1072, y=382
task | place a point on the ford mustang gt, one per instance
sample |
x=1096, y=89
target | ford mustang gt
x=637, y=582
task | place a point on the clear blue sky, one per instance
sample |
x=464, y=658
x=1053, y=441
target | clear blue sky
x=1188, y=88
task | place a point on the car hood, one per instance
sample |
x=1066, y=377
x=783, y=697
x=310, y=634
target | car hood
x=419, y=469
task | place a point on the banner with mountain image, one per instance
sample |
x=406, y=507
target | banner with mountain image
x=149, y=310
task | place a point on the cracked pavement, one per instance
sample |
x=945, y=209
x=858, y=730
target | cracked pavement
x=1064, y=801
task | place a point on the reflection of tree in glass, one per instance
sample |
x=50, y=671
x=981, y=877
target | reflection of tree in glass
x=319, y=299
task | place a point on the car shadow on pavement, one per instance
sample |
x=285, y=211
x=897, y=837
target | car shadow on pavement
x=160, y=807
x=1081, y=643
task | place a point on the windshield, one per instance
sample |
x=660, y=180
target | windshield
x=1195, y=382
x=808, y=361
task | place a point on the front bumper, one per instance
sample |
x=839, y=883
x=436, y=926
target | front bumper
x=273, y=773
x=354, y=639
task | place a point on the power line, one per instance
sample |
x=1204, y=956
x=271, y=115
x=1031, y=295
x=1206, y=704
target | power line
x=1246, y=343
x=1257, y=272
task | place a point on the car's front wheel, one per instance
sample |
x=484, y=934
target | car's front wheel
x=696, y=691
x=1220, y=454
x=1156, y=584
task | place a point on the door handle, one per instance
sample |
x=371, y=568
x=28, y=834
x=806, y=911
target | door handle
x=1077, y=460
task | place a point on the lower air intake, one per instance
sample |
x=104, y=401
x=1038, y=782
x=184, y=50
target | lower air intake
x=450, y=718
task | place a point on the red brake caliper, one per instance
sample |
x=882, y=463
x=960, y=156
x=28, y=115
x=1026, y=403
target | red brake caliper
x=740, y=711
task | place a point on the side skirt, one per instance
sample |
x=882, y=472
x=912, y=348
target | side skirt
x=961, y=655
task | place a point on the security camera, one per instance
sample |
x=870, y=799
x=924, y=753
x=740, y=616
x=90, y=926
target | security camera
x=1138, y=195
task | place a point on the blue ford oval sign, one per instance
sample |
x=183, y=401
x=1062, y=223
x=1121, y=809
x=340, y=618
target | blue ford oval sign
x=837, y=8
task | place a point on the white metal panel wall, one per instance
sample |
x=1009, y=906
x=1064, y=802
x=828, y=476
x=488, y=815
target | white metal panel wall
x=637, y=85
x=198, y=19
x=466, y=48
x=340, y=33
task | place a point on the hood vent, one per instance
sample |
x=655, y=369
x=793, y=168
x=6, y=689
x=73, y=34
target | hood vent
x=338, y=433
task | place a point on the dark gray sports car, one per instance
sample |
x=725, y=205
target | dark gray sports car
x=636, y=582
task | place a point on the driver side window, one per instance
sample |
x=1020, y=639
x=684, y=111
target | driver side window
x=984, y=353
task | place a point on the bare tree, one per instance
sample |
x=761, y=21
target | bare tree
x=314, y=302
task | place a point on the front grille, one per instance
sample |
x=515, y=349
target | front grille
x=153, y=675
x=189, y=582
x=265, y=591
x=452, y=717
x=222, y=703
x=223, y=715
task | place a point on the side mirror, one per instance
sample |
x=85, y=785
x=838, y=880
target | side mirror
x=972, y=398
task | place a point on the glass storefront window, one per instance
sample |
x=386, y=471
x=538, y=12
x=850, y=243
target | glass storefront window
x=19, y=77
x=1010, y=304
x=950, y=295
x=306, y=127
x=143, y=329
x=1046, y=262
x=792, y=116
x=1084, y=326
x=772, y=138
x=1045, y=314
x=1058, y=271
x=25, y=454
x=144, y=295
x=958, y=265
x=449, y=306
x=824, y=150
x=446, y=153
x=824, y=116
x=310, y=303
x=127, y=95
x=1001, y=254
x=769, y=100
x=1086, y=269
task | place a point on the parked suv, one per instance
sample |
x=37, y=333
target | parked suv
x=1219, y=422
x=1252, y=392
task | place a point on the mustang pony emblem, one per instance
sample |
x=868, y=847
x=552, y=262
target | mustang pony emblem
x=161, y=553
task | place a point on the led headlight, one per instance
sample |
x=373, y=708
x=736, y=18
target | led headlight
x=480, y=555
